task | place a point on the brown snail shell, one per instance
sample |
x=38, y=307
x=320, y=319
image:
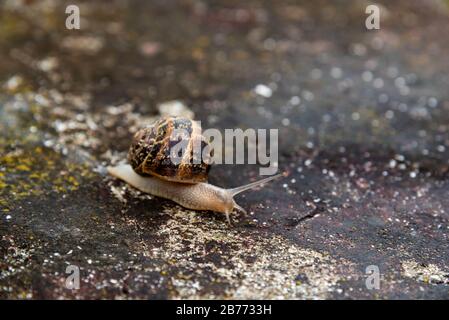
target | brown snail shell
x=149, y=153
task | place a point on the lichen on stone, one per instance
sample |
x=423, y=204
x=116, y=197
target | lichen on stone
x=35, y=171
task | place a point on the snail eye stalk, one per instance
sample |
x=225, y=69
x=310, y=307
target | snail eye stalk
x=251, y=185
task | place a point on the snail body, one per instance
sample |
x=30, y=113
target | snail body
x=150, y=172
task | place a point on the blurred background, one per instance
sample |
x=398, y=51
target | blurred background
x=363, y=119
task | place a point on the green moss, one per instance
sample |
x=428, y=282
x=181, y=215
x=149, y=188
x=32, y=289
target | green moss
x=30, y=170
x=38, y=171
x=12, y=26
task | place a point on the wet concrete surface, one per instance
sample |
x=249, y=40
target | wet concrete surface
x=363, y=118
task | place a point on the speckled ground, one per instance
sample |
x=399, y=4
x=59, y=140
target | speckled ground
x=364, y=135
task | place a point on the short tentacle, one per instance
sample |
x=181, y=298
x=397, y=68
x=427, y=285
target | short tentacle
x=239, y=208
x=228, y=218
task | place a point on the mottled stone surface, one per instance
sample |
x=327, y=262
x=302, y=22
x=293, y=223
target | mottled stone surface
x=364, y=135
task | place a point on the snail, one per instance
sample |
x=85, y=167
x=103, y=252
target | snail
x=151, y=170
